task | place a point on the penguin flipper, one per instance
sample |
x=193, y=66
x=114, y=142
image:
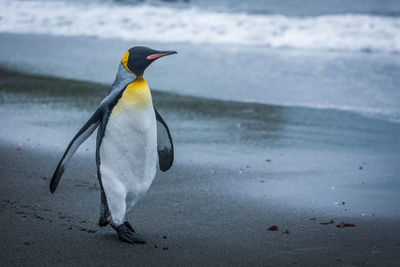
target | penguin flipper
x=165, y=147
x=86, y=130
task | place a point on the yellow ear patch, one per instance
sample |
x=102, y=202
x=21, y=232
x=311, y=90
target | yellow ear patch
x=124, y=61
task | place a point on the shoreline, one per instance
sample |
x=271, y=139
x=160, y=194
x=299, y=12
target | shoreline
x=332, y=79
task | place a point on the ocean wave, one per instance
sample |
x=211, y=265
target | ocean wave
x=192, y=25
x=85, y=95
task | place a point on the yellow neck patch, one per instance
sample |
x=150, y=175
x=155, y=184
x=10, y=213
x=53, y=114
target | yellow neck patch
x=136, y=93
x=124, y=61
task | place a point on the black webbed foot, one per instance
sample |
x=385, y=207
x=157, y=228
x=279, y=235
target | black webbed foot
x=127, y=235
x=129, y=226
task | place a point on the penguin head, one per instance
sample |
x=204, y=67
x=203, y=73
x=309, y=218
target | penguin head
x=138, y=58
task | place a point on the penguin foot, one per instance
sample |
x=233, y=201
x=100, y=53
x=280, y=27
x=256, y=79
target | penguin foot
x=129, y=226
x=125, y=234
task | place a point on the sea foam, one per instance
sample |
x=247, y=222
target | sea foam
x=193, y=25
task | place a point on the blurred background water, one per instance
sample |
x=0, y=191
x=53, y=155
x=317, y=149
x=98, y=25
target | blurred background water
x=337, y=54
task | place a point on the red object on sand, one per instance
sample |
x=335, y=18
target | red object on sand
x=326, y=223
x=313, y=218
x=273, y=228
x=343, y=224
x=286, y=231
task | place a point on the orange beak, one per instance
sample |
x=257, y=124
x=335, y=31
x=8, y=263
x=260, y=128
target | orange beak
x=162, y=54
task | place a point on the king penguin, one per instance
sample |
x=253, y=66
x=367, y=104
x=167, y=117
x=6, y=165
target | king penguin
x=130, y=136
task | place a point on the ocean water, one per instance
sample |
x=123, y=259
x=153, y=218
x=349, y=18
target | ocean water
x=342, y=55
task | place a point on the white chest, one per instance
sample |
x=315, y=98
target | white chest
x=128, y=152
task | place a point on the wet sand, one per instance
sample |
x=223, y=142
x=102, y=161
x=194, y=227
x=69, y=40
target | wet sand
x=214, y=206
x=187, y=218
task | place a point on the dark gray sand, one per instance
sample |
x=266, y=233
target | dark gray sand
x=186, y=218
x=214, y=206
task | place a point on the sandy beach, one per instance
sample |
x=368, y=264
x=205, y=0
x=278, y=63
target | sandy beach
x=239, y=169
